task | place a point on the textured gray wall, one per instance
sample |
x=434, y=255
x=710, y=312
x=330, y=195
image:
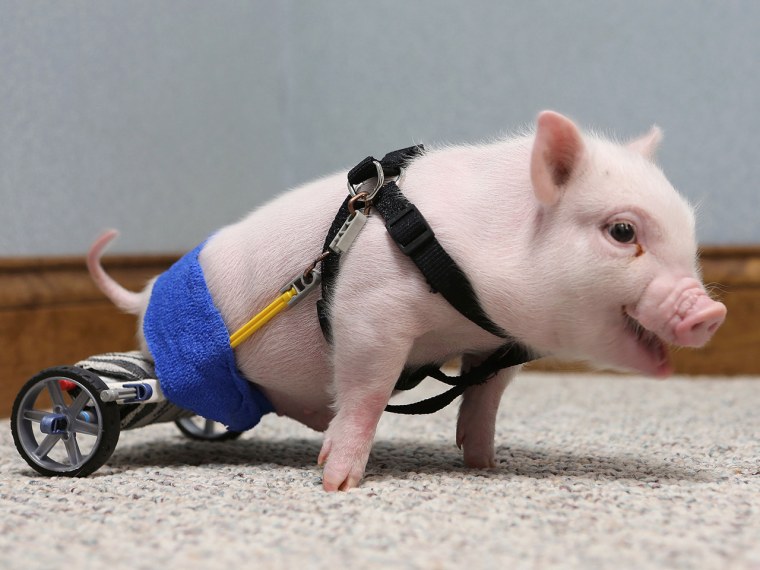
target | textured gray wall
x=169, y=119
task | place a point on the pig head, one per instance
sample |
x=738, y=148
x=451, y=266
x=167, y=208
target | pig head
x=614, y=276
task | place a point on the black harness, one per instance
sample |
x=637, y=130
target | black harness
x=414, y=237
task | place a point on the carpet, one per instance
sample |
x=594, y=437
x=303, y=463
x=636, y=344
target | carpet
x=594, y=471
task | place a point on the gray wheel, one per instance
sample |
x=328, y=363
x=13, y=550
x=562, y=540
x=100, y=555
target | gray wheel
x=200, y=428
x=59, y=424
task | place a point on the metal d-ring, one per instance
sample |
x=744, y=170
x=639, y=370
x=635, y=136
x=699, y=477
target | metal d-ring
x=353, y=190
x=401, y=172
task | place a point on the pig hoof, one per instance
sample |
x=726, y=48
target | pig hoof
x=342, y=471
x=339, y=480
x=476, y=456
x=482, y=461
x=324, y=454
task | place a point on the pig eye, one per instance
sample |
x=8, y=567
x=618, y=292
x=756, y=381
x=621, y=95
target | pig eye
x=622, y=232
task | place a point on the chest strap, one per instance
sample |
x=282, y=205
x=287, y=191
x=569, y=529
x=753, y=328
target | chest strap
x=508, y=355
x=392, y=164
x=415, y=238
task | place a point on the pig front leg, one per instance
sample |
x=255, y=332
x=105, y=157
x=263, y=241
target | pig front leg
x=364, y=379
x=476, y=425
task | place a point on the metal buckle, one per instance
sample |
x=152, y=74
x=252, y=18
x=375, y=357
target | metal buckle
x=422, y=230
x=354, y=190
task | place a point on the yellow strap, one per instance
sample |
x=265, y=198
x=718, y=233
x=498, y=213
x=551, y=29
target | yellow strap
x=262, y=318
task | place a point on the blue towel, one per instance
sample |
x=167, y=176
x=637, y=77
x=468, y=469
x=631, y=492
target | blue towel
x=190, y=344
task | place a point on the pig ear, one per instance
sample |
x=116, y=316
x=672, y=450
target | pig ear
x=556, y=155
x=647, y=144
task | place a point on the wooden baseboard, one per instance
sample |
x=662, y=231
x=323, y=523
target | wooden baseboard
x=51, y=314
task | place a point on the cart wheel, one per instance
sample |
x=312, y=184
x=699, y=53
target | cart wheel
x=76, y=436
x=197, y=427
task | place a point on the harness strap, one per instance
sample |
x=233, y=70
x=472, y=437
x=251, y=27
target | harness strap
x=329, y=271
x=392, y=163
x=508, y=355
x=414, y=237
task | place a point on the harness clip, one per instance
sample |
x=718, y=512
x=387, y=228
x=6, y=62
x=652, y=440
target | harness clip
x=303, y=284
x=347, y=234
x=290, y=294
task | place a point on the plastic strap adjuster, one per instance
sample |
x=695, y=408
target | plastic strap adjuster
x=413, y=233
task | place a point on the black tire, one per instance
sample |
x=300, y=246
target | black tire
x=87, y=430
x=201, y=429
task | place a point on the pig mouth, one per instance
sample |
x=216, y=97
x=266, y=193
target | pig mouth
x=652, y=352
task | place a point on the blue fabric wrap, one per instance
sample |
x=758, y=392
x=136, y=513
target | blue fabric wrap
x=190, y=344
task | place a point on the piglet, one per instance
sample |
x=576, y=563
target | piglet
x=577, y=246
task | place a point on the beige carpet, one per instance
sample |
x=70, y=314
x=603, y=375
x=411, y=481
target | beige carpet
x=594, y=472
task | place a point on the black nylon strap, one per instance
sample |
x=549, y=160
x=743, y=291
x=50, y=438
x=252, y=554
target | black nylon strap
x=510, y=354
x=416, y=239
x=413, y=235
x=329, y=271
x=428, y=405
x=392, y=163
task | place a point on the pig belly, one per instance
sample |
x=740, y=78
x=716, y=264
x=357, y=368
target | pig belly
x=290, y=362
x=306, y=402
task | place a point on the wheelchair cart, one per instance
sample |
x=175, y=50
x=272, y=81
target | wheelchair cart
x=66, y=420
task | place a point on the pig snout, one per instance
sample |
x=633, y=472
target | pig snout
x=679, y=312
x=699, y=318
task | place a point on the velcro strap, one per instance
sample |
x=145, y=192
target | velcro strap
x=413, y=235
x=329, y=271
x=392, y=164
x=428, y=405
x=409, y=229
x=510, y=354
x=362, y=171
